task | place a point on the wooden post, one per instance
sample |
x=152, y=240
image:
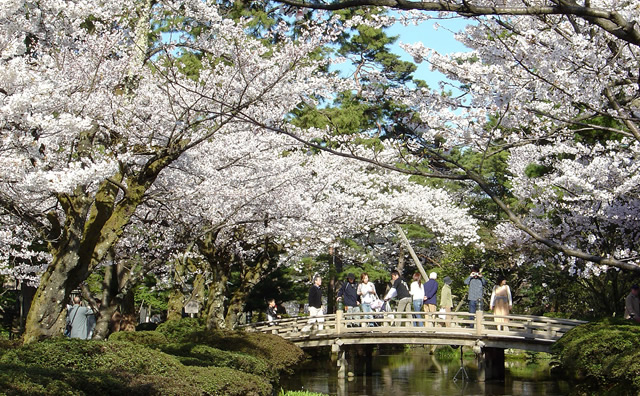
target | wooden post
x=342, y=363
x=529, y=329
x=491, y=364
x=339, y=321
x=368, y=360
x=479, y=319
x=412, y=253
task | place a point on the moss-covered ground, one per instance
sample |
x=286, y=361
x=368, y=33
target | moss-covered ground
x=179, y=358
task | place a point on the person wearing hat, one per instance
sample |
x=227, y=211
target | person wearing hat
x=430, y=293
x=446, y=302
x=632, y=305
x=349, y=294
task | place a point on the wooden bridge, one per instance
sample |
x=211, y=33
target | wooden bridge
x=488, y=334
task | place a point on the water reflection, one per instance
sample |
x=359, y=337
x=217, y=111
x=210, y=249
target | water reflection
x=417, y=372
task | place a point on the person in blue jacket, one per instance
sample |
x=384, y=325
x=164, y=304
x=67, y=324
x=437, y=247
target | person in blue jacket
x=430, y=293
x=349, y=294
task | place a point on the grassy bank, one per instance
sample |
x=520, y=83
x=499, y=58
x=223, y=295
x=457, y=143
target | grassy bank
x=179, y=358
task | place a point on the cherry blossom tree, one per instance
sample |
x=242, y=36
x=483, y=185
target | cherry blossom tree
x=101, y=124
x=555, y=85
x=240, y=195
x=90, y=119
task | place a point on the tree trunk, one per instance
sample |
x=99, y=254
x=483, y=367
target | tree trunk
x=400, y=267
x=215, y=317
x=252, y=275
x=175, y=305
x=46, y=316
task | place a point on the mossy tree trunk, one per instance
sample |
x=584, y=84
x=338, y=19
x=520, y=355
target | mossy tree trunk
x=177, y=298
x=219, y=261
x=251, y=276
x=90, y=227
x=175, y=304
x=223, y=306
x=215, y=317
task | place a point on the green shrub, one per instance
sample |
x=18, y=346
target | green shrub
x=139, y=337
x=135, y=363
x=7, y=345
x=203, y=355
x=203, y=381
x=186, y=381
x=123, y=368
x=281, y=354
x=446, y=353
x=602, y=355
x=298, y=393
x=91, y=355
x=225, y=381
x=32, y=380
x=183, y=330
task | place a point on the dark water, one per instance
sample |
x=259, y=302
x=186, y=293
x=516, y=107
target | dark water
x=417, y=372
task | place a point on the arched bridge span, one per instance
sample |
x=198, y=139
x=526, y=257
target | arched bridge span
x=533, y=333
x=489, y=334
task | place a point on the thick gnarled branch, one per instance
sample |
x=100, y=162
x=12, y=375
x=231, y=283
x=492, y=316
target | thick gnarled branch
x=611, y=21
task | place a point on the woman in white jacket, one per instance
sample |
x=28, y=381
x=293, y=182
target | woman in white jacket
x=367, y=292
x=417, y=294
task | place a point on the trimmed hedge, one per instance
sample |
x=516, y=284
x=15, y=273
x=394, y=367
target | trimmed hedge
x=205, y=356
x=281, y=354
x=603, y=356
x=194, y=362
x=83, y=355
x=140, y=337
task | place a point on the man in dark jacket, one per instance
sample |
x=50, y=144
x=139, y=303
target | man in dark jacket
x=315, y=304
x=476, y=290
x=400, y=290
x=430, y=292
x=349, y=294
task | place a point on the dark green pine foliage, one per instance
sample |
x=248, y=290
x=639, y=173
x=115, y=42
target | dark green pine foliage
x=367, y=49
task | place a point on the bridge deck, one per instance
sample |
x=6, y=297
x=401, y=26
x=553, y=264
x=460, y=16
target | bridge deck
x=535, y=333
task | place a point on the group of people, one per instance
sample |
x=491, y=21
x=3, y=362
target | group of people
x=419, y=297
x=422, y=297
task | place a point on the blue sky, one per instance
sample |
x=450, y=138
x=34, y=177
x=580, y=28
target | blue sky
x=440, y=39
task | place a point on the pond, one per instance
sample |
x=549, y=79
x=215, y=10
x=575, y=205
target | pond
x=418, y=372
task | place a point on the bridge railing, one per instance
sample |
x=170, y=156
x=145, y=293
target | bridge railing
x=479, y=323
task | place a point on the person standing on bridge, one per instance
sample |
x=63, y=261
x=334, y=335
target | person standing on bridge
x=430, y=299
x=367, y=292
x=446, y=300
x=400, y=290
x=476, y=290
x=417, y=292
x=349, y=294
x=272, y=312
x=315, y=304
x=501, y=302
x=632, y=305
